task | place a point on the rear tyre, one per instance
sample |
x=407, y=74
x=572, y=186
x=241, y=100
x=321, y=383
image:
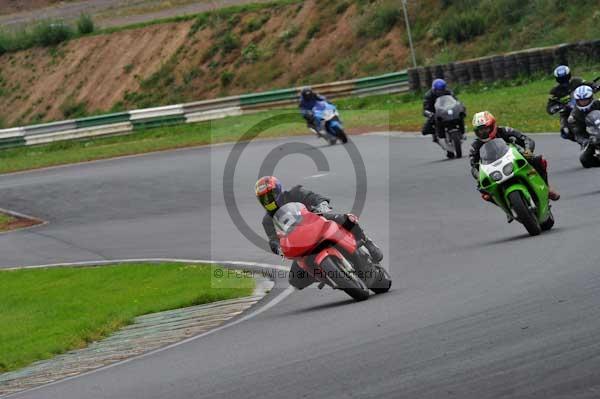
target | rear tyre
x=354, y=287
x=524, y=214
x=549, y=223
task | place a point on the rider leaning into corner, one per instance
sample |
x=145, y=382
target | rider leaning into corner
x=439, y=88
x=308, y=99
x=561, y=95
x=486, y=129
x=271, y=196
x=584, y=104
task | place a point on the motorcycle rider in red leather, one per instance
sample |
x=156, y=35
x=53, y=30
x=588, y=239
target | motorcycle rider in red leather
x=270, y=194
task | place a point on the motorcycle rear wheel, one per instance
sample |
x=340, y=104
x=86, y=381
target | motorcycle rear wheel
x=383, y=282
x=356, y=288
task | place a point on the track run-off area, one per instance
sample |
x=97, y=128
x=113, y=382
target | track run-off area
x=478, y=309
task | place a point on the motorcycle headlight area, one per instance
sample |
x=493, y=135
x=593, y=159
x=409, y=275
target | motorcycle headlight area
x=496, y=176
x=508, y=169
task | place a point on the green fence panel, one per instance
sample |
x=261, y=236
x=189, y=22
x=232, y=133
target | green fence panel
x=158, y=121
x=269, y=96
x=383, y=80
x=100, y=120
x=11, y=142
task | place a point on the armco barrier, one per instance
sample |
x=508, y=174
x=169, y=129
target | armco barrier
x=125, y=122
x=14, y=137
x=82, y=133
x=102, y=120
x=49, y=127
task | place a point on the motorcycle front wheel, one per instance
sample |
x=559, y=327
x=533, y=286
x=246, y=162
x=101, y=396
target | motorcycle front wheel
x=352, y=286
x=524, y=214
x=457, y=141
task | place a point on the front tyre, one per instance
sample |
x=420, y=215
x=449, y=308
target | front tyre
x=525, y=215
x=457, y=141
x=351, y=285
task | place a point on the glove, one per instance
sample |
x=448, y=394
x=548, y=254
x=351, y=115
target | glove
x=527, y=153
x=275, y=248
x=427, y=114
x=322, y=208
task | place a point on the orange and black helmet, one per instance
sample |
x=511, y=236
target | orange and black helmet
x=268, y=189
x=485, y=126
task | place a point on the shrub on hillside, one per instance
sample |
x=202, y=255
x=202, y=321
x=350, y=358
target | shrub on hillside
x=226, y=78
x=379, y=21
x=228, y=43
x=51, y=33
x=251, y=53
x=85, y=24
x=461, y=27
x=256, y=23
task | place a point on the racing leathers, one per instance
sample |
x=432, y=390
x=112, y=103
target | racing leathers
x=577, y=122
x=306, y=109
x=560, y=97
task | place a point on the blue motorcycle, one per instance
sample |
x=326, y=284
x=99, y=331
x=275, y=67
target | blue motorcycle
x=328, y=123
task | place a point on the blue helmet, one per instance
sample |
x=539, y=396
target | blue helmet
x=439, y=85
x=562, y=73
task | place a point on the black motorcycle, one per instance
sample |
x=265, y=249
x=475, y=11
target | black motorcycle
x=590, y=153
x=449, y=125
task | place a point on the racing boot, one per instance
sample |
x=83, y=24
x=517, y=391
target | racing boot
x=553, y=194
x=374, y=250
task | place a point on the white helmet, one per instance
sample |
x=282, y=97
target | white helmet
x=584, y=96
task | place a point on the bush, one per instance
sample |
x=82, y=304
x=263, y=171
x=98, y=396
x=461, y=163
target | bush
x=287, y=35
x=73, y=109
x=461, y=27
x=85, y=24
x=199, y=23
x=50, y=34
x=313, y=30
x=251, y=53
x=379, y=21
x=228, y=43
x=256, y=23
x=226, y=78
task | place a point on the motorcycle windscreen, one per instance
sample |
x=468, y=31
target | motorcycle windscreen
x=288, y=217
x=448, y=108
x=299, y=230
x=592, y=123
x=493, y=150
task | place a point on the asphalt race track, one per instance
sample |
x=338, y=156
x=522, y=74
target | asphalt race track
x=478, y=309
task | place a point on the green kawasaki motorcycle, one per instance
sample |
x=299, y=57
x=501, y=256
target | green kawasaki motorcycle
x=515, y=186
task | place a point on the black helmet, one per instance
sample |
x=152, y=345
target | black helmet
x=307, y=93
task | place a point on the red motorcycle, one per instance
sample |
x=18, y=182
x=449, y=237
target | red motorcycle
x=328, y=252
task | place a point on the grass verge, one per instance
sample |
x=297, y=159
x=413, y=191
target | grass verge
x=520, y=104
x=45, y=312
x=10, y=222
